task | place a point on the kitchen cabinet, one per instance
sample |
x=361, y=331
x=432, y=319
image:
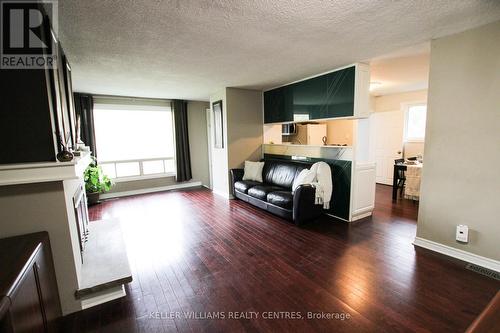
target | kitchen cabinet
x=343, y=93
x=279, y=102
x=310, y=134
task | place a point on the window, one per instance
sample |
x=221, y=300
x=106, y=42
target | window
x=134, y=141
x=415, y=122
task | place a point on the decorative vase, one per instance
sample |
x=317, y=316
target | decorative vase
x=65, y=156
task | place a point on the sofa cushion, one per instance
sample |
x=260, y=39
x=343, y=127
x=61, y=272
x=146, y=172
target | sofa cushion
x=281, y=173
x=260, y=191
x=244, y=185
x=282, y=199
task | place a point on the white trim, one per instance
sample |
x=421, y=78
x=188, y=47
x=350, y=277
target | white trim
x=362, y=216
x=130, y=107
x=141, y=174
x=14, y=174
x=106, y=99
x=208, y=116
x=223, y=194
x=352, y=189
x=357, y=187
x=458, y=254
x=104, y=296
x=143, y=177
x=149, y=190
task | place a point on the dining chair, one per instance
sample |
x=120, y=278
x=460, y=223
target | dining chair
x=401, y=177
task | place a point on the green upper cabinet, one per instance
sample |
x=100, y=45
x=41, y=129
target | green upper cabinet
x=279, y=104
x=310, y=99
x=342, y=93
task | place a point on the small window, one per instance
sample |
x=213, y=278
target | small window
x=415, y=117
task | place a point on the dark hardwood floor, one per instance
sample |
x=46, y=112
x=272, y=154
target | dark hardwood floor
x=193, y=253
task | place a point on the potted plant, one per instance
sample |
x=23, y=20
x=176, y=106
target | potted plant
x=96, y=182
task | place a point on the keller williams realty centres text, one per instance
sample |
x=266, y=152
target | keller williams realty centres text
x=267, y=315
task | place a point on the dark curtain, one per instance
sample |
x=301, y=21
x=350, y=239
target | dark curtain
x=84, y=106
x=182, y=156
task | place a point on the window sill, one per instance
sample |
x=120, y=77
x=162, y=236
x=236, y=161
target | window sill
x=134, y=178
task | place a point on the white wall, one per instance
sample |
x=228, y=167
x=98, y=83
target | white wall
x=244, y=129
x=272, y=134
x=413, y=149
x=394, y=102
x=361, y=140
x=198, y=145
x=243, y=119
x=460, y=182
x=340, y=131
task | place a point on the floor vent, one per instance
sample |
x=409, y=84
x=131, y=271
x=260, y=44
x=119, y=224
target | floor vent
x=484, y=271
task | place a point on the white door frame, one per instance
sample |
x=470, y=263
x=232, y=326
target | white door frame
x=209, y=141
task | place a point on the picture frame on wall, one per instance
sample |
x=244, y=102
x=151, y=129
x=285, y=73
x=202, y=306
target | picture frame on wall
x=68, y=84
x=67, y=122
x=57, y=111
x=218, y=124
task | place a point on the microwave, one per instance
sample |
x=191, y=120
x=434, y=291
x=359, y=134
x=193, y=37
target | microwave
x=288, y=129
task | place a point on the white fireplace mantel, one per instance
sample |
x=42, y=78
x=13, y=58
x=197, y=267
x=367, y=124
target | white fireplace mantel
x=27, y=173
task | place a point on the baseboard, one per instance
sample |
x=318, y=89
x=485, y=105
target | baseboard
x=458, y=254
x=362, y=215
x=149, y=190
x=223, y=194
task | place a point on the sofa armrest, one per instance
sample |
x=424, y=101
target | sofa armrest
x=304, y=208
x=236, y=175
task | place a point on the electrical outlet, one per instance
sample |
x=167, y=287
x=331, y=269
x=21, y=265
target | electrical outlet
x=462, y=233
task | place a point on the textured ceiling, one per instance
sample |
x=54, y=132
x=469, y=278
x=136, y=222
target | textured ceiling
x=190, y=49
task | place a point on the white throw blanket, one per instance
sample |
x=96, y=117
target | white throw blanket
x=319, y=176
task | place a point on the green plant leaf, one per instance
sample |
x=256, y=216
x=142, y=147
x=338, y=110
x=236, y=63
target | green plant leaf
x=95, y=179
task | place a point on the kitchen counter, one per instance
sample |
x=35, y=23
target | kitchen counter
x=301, y=145
x=344, y=153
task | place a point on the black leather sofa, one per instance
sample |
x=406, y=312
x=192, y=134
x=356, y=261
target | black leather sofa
x=274, y=194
